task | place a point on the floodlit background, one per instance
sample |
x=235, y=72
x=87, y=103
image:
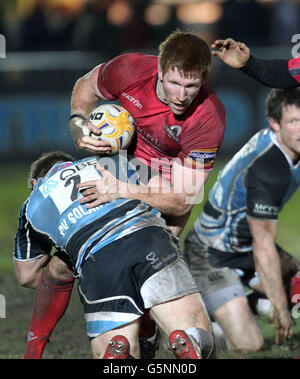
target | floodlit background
x=51, y=43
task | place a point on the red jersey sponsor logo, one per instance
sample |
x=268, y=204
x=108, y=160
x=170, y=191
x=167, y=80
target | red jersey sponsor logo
x=133, y=100
x=203, y=158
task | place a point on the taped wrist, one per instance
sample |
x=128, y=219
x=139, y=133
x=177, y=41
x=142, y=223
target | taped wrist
x=78, y=126
x=204, y=340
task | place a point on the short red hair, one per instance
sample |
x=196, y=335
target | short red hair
x=187, y=52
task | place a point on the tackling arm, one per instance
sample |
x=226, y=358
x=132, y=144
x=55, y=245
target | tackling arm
x=171, y=199
x=175, y=198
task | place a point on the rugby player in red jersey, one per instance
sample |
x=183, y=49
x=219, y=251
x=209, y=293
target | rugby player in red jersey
x=179, y=119
x=179, y=122
x=275, y=73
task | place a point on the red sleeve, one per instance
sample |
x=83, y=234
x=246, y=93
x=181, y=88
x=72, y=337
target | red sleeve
x=202, y=141
x=109, y=78
x=294, y=68
x=123, y=71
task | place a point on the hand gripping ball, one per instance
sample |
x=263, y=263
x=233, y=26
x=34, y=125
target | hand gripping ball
x=116, y=124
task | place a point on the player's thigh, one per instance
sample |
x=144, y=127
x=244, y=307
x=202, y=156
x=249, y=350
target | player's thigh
x=130, y=331
x=128, y=275
x=195, y=252
x=27, y=272
x=107, y=292
x=218, y=285
x=225, y=299
x=182, y=313
x=162, y=274
x=239, y=325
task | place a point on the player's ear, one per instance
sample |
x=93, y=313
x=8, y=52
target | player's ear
x=273, y=124
x=34, y=182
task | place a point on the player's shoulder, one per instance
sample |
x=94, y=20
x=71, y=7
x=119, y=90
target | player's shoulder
x=139, y=57
x=209, y=103
x=271, y=166
x=206, y=118
x=134, y=62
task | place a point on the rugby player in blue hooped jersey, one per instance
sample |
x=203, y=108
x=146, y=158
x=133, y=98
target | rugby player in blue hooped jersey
x=233, y=241
x=119, y=274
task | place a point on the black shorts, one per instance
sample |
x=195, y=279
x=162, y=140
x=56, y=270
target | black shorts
x=221, y=276
x=130, y=274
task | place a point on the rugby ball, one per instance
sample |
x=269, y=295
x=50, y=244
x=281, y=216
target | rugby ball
x=116, y=124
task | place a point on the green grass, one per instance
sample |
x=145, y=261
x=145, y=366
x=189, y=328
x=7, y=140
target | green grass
x=13, y=192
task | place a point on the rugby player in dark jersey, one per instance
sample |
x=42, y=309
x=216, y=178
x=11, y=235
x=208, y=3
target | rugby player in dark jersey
x=275, y=73
x=233, y=241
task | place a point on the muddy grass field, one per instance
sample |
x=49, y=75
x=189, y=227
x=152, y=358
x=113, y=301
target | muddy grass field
x=69, y=341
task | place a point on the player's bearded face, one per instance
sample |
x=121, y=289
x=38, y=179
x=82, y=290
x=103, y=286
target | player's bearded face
x=177, y=90
x=289, y=131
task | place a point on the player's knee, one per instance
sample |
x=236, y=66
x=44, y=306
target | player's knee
x=26, y=279
x=26, y=275
x=60, y=269
x=250, y=346
x=204, y=340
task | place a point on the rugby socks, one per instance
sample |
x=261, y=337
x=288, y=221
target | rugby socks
x=204, y=340
x=149, y=336
x=295, y=289
x=147, y=328
x=192, y=343
x=51, y=300
x=219, y=338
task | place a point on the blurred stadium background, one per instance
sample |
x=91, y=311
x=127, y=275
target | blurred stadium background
x=51, y=43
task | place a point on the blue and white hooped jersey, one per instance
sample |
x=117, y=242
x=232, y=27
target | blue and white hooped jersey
x=53, y=216
x=257, y=182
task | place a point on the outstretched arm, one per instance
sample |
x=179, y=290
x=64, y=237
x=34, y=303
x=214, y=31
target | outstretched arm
x=267, y=264
x=273, y=73
x=174, y=198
